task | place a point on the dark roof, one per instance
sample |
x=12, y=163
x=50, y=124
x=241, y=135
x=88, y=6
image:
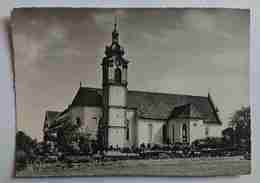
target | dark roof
x=88, y=97
x=186, y=111
x=152, y=105
x=51, y=115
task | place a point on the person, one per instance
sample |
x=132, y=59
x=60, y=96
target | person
x=142, y=146
x=37, y=164
x=117, y=148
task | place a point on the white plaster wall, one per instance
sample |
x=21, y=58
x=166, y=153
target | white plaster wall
x=116, y=136
x=132, y=127
x=143, y=131
x=215, y=130
x=92, y=115
x=117, y=95
x=77, y=112
x=89, y=117
x=197, y=130
x=117, y=116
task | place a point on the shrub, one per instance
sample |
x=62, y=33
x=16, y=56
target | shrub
x=21, y=160
x=126, y=150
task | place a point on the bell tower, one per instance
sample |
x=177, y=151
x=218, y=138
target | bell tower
x=114, y=67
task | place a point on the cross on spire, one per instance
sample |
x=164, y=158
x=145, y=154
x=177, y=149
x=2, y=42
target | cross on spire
x=115, y=34
x=115, y=23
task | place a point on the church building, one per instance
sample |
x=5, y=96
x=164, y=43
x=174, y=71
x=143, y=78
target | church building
x=115, y=115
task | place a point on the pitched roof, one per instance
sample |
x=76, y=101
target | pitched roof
x=49, y=117
x=154, y=105
x=88, y=97
x=185, y=111
x=51, y=114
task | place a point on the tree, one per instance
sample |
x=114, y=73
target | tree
x=67, y=136
x=241, y=123
x=25, y=147
x=25, y=142
x=228, y=136
x=71, y=137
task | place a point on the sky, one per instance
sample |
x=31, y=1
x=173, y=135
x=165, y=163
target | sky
x=180, y=51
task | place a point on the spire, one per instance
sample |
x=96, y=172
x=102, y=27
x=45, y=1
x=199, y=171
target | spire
x=115, y=33
x=115, y=23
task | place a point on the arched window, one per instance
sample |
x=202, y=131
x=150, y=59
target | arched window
x=184, y=133
x=207, y=131
x=150, y=133
x=118, y=75
x=164, y=133
x=172, y=133
x=127, y=130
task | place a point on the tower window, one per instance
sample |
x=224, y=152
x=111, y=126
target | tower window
x=111, y=72
x=118, y=75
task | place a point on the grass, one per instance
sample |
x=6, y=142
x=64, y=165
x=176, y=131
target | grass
x=166, y=167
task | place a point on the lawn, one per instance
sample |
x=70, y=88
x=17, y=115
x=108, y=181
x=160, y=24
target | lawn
x=166, y=167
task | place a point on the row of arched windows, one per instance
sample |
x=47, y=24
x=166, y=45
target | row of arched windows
x=172, y=131
x=184, y=133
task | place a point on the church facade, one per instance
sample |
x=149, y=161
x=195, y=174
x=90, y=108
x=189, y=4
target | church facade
x=117, y=116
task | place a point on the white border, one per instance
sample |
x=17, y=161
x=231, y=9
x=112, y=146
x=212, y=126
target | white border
x=7, y=128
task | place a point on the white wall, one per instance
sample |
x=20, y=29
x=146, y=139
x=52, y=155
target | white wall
x=116, y=136
x=117, y=116
x=197, y=129
x=77, y=112
x=131, y=117
x=143, y=131
x=89, y=117
x=215, y=130
x=92, y=115
x=117, y=95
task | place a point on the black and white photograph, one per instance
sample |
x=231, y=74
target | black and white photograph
x=131, y=92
